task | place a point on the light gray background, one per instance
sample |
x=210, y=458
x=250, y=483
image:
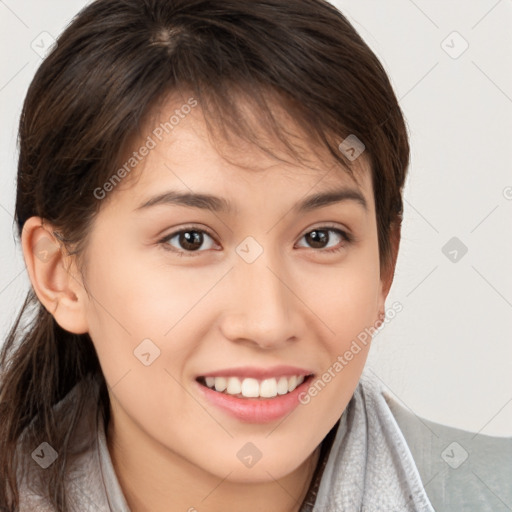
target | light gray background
x=447, y=356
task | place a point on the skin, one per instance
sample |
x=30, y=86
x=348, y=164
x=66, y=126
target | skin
x=172, y=449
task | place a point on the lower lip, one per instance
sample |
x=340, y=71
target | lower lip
x=256, y=410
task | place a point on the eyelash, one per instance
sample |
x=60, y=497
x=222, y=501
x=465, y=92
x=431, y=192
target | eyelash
x=163, y=242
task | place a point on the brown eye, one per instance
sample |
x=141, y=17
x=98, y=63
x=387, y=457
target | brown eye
x=188, y=240
x=318, y=238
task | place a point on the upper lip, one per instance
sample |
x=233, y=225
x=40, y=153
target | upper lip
x=259, y=373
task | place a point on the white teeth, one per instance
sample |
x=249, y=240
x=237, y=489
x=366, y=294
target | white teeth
x=234, y=386
x=268, y=388
x=292, y=383
x=252, y=388
x=282, y=386
x=220, y=383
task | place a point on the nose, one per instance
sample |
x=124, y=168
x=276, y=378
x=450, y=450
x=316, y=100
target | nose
x=262, y=306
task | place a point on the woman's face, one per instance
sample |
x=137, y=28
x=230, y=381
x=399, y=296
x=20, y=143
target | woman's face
x=265, y=289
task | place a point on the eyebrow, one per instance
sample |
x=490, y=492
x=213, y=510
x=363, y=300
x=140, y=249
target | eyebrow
x=220, y=204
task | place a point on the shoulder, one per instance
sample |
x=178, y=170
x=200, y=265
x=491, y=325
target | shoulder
x=369, y=466
x=459, y=469
x=76, y=450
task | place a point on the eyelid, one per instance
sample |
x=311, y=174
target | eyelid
x=307, y=230
x=188, y=227
x=331, y=225
x=324, y=225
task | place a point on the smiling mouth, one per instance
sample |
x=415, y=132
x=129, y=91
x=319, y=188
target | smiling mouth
x=250, y=388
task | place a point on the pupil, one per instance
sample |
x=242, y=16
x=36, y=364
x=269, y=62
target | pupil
x=317, y=237
x=187, y=241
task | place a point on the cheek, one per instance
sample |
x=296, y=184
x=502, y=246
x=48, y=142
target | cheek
x=348, y=305
x=347, y=297
x=132, y=318
x=133, y=302
x=141, y=297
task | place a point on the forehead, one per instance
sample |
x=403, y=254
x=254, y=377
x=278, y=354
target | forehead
x=191, y=155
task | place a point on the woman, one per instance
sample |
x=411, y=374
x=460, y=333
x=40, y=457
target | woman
x=209, y=204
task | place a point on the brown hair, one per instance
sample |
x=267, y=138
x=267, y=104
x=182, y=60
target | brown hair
x=116, y=61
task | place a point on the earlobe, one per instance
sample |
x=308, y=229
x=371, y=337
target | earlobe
x=54, y=278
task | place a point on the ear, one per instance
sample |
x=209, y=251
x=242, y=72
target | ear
x=389, y=272
x=54, y=276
